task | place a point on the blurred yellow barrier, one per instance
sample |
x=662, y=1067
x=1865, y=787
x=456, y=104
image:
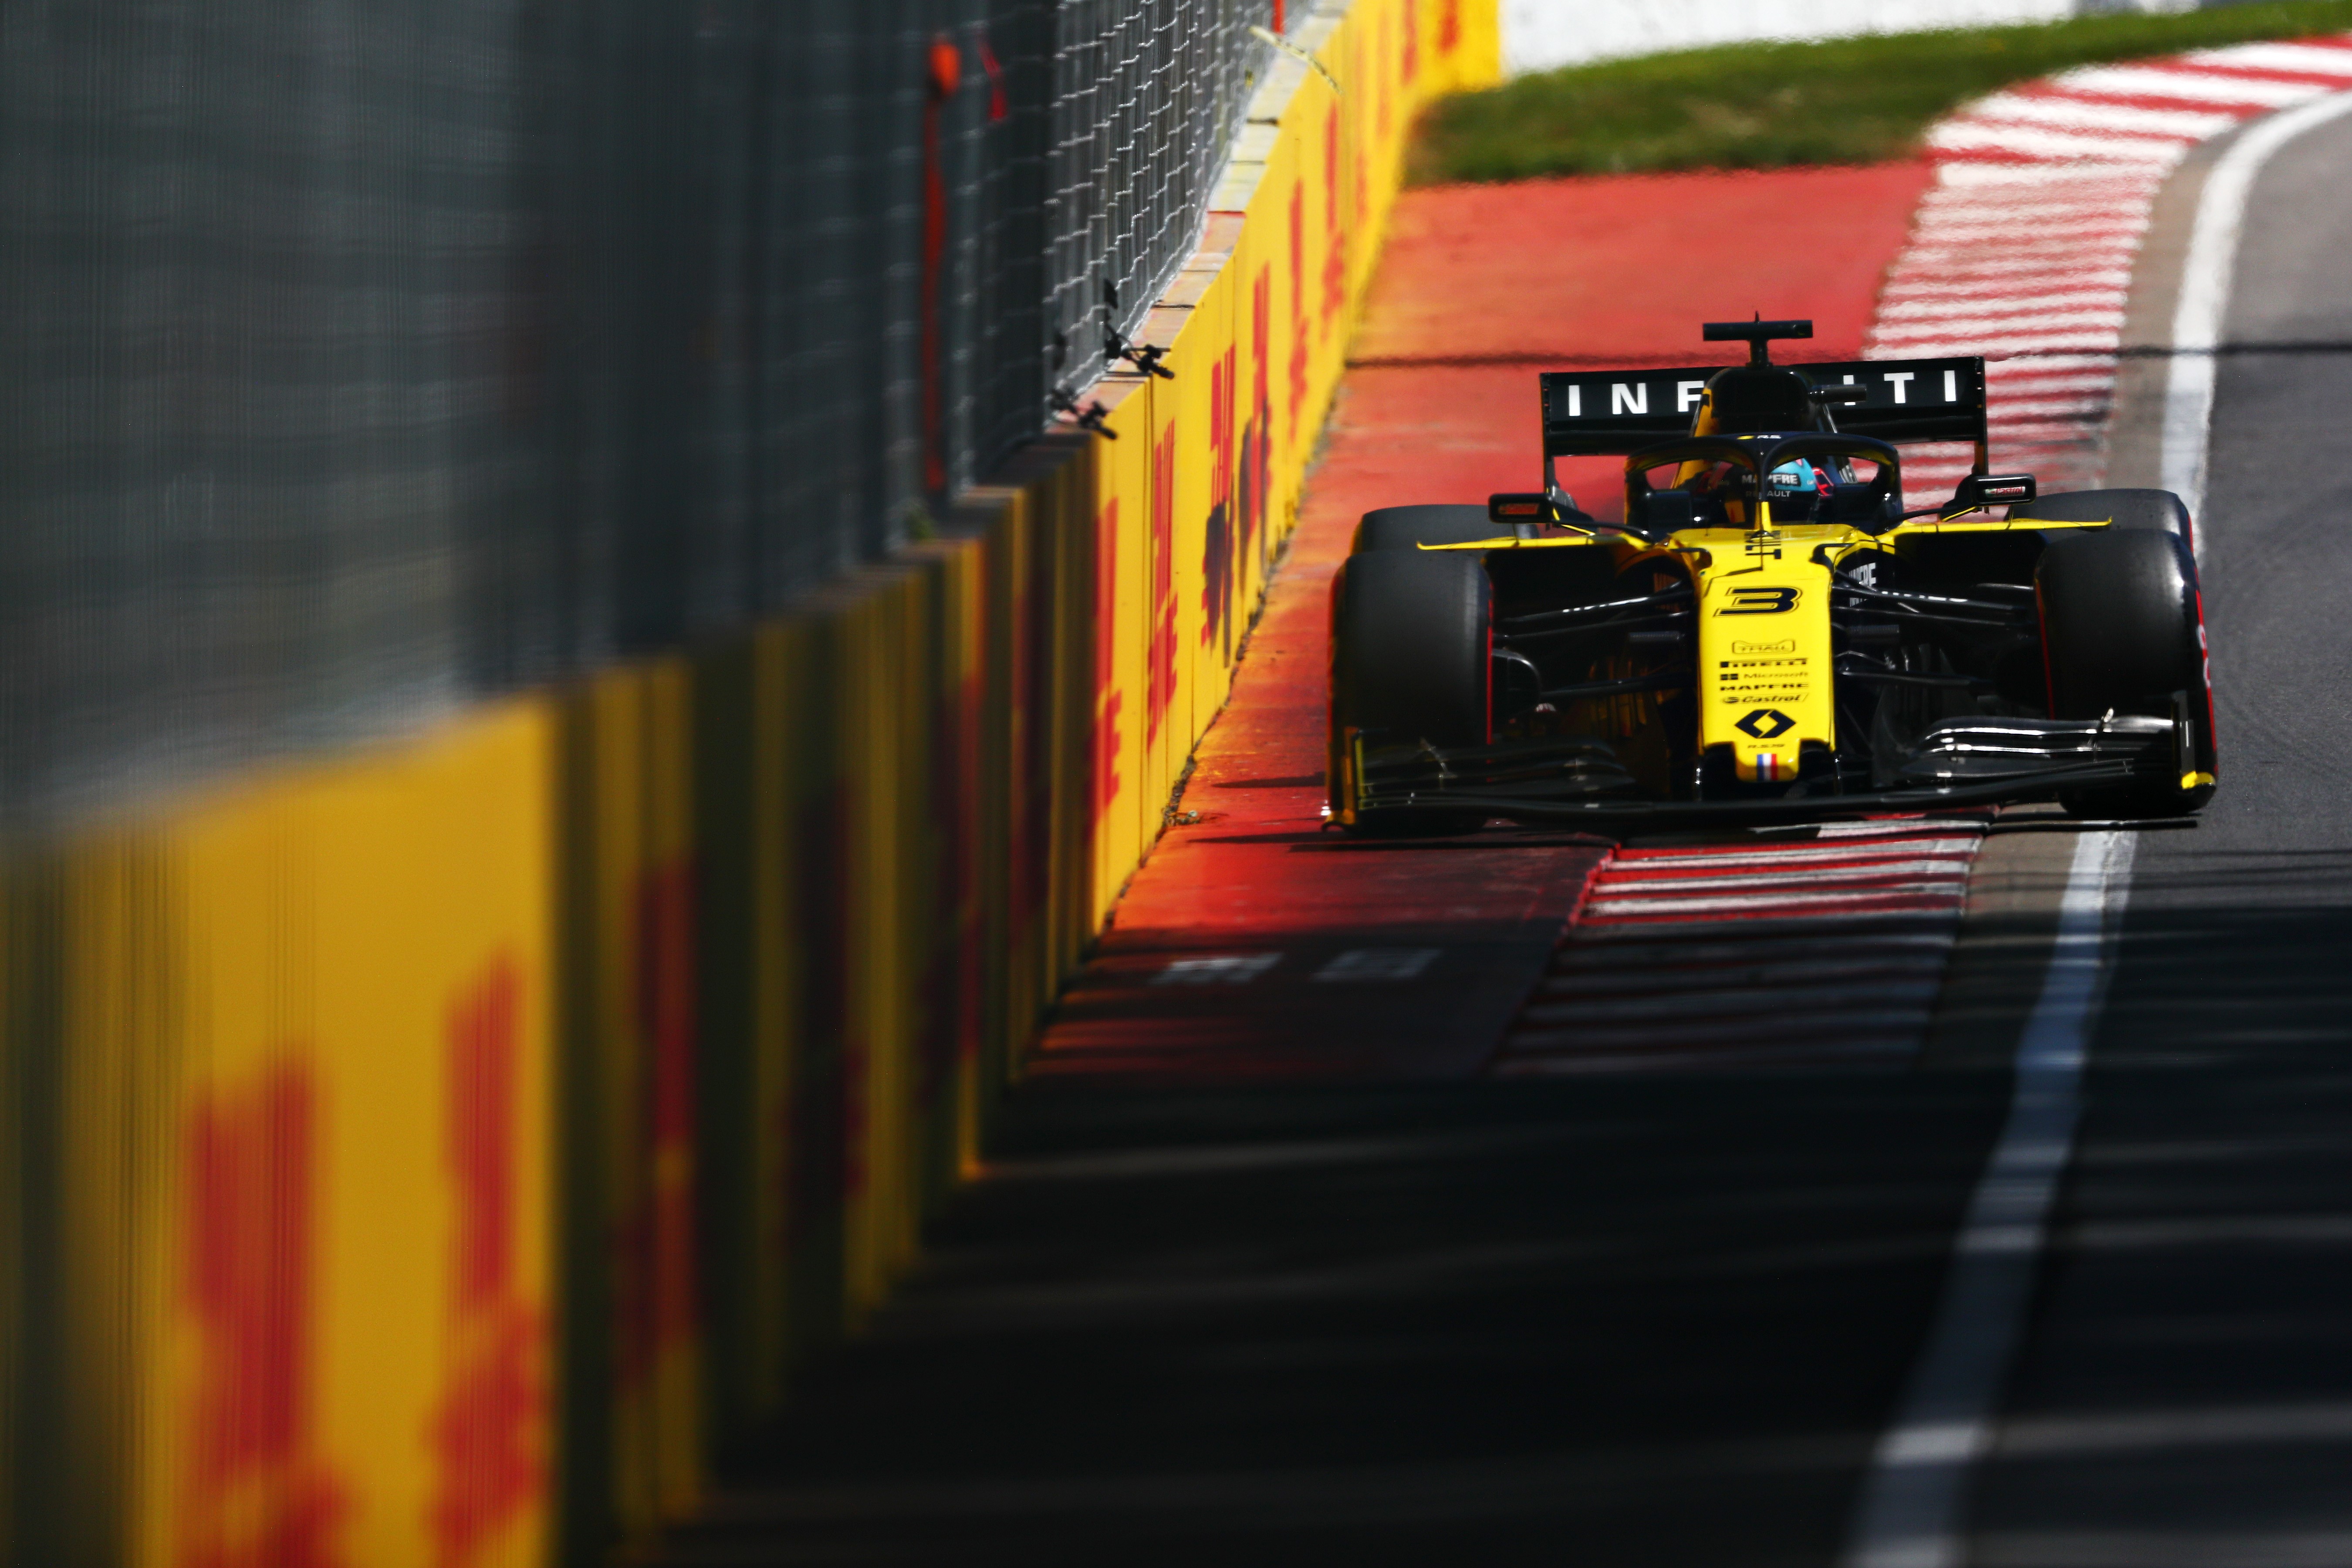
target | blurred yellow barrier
x=437, y=1155
x=282, y=1214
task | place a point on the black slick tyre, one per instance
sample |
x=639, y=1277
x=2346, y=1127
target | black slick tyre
x=1411, y=639
x=1404, y=527
x=2120, y=633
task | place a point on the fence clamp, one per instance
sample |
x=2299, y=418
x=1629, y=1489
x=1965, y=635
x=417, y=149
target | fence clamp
x=1143, y=357
x=1089, y=417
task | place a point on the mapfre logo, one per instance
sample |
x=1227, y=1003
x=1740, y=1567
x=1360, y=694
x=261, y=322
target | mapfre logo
x=1759, y=600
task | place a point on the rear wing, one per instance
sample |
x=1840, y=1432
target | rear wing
x=1613, y=412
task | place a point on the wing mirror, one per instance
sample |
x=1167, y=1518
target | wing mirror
x=1524, y=509
x=1992, y=489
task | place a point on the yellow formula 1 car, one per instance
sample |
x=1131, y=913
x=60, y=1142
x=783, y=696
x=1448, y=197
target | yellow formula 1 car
x=1771, y=632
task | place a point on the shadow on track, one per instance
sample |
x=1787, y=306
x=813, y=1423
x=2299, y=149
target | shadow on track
x=1661, y=1319
x=2187, y=1396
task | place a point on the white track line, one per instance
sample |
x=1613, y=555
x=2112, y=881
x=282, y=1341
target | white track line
x=2205, y=281
x=2091, y=114
x=1646, y=861
x=1910, y=1514
x=1911, y=897
x=2146, y=81
x=1690, y=881
x=1896, y=827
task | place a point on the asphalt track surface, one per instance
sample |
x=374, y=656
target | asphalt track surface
x=2186, y=1395
x=1663, y=1320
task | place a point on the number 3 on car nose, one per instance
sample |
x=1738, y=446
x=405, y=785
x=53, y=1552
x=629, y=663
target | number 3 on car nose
x=1760, y=602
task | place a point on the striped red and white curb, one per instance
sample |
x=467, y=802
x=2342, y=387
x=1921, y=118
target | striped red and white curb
x=1755, y=951
x=2022, y=249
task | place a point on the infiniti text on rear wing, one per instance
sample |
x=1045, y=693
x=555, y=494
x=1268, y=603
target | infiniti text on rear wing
x=1613, y=412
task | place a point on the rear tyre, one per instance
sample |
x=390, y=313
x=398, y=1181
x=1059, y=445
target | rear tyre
x=2132, y=512
x=1411, y=638
x=1403, y=527
x=2120, y=633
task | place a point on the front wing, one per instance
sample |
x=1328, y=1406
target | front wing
x=1981, y=761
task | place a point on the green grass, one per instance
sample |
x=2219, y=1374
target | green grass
x=1768, y=106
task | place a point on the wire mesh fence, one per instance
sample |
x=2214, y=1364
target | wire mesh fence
x=358, y=360
x=1146, y=100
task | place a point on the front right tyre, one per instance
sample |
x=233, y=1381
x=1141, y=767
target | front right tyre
x=2121, y=633
x=1391, y=527
x=2128, y=511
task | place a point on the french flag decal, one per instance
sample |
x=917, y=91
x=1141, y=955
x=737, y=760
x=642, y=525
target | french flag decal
x=1768, y=766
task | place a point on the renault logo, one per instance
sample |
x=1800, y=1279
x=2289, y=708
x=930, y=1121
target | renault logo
x=1767, y=723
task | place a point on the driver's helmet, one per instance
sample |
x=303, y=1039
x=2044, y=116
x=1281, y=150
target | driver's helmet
x=1795, y=485
x=1798, y=477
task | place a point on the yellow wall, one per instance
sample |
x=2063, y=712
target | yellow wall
x=431, y=1156
x=293, y=1077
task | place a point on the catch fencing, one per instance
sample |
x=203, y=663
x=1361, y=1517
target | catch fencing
x=360, y=361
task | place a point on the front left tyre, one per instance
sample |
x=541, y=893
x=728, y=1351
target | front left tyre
x=1411, y=653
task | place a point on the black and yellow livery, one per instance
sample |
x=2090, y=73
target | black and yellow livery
x=1769, y=631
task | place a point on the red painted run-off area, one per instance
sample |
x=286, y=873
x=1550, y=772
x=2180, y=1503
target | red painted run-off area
x=1253, y=943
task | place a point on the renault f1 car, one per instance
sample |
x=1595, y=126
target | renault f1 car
x=1770, y=631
